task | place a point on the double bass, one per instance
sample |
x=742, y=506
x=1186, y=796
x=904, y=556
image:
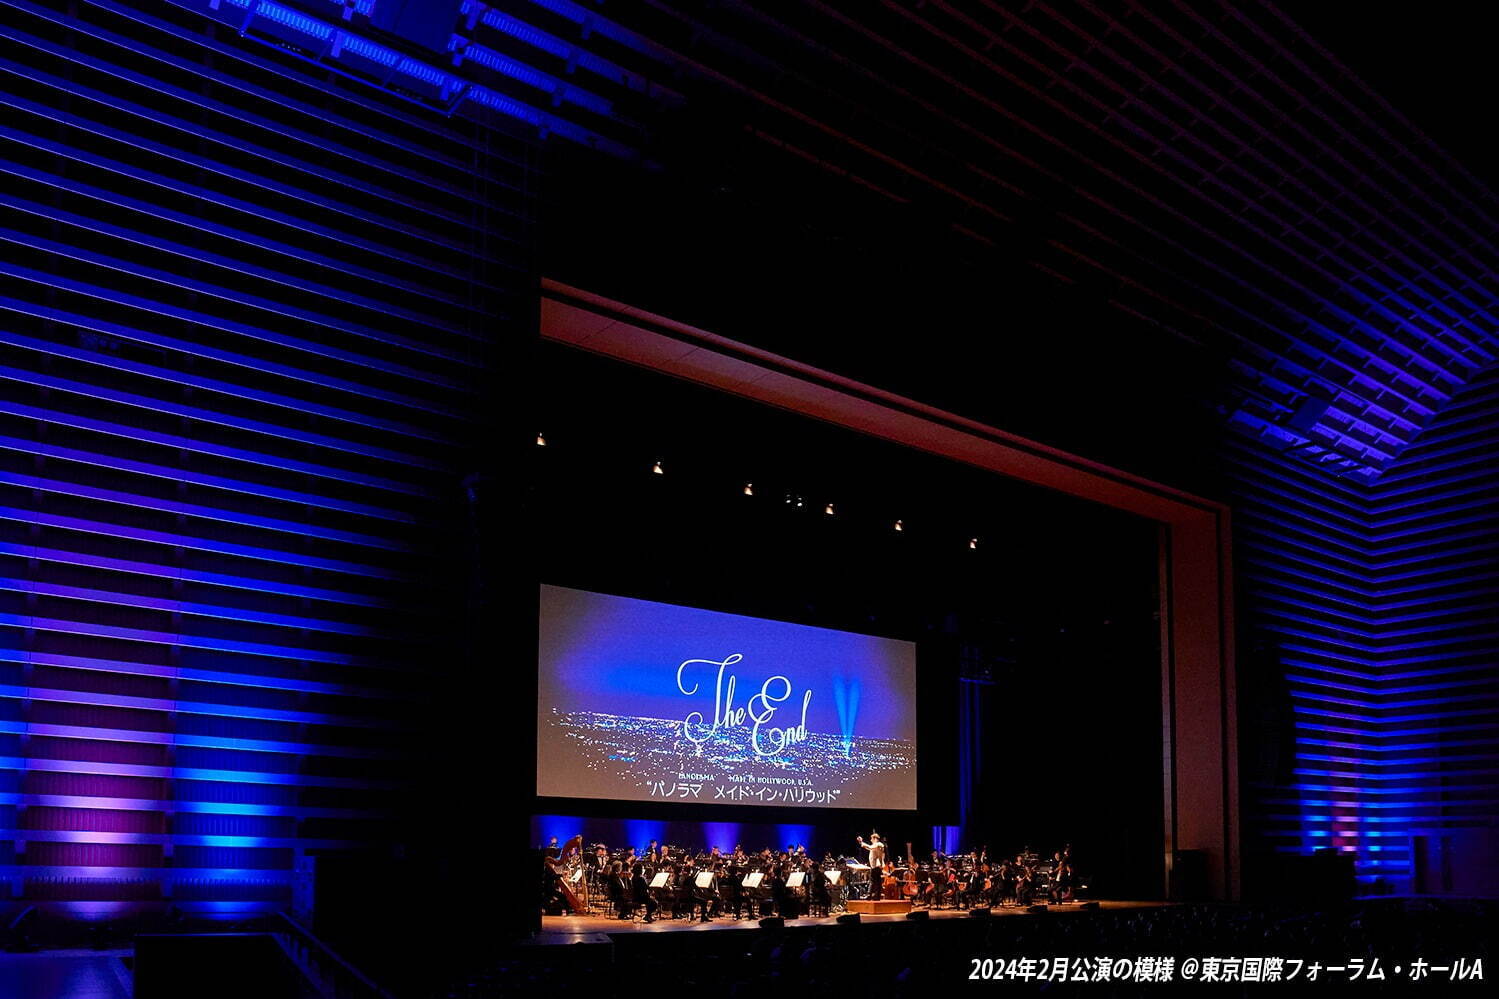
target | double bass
x=908, y=886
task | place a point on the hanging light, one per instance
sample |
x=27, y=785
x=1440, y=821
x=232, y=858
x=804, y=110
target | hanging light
x=541, y=440
x=900, y=525
x=749, y=489
x=973, y=542
x=828, y=509
x=657, y=468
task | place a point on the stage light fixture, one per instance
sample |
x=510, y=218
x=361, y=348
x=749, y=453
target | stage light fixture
x=828, y=509
x=773, y=923
x=749, y=489
x=541, y=440
x=918, y=915
x=849, y=919
x=973, y=542
x=900, y=525
x=980, y=913
x=658, y=469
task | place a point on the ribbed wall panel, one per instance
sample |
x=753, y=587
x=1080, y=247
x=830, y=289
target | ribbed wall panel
x=1435, y=515
x=245, y=327
x=1302, y=545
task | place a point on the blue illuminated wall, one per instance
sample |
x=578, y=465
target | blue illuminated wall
x=247, y=317
x=1434, y=820
x=1377, y=607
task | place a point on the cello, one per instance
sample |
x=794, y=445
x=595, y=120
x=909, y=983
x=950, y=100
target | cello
x=890, y=887
x=909, y=888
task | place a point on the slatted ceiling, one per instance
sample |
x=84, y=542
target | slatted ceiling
x=1301, y=232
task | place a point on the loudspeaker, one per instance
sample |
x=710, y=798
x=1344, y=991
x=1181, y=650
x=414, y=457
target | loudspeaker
x=772, y=923
x=918, y=915
x=981, y=913
x=849, y=919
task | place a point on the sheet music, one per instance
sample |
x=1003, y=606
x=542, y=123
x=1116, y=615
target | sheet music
x=833, y=876
x=705, y=879
x=796, y=879
x=753, y=879
x=577, y=875
x=659, y=881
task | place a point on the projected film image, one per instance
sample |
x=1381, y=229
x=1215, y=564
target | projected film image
x=645, y=701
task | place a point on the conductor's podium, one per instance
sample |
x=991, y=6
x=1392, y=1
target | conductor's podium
x=880, y=906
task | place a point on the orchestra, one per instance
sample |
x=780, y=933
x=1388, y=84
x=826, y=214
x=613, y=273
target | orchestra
x=678, y=883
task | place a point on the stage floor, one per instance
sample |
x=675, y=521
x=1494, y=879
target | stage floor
x=575, y=929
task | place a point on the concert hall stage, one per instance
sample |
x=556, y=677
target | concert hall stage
x=580, y=929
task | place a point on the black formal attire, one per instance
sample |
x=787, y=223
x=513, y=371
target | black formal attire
x=640, y=888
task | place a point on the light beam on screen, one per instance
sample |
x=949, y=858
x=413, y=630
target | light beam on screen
x=563, y=827
x=724, y=835
x=791, y=836
x=846, y=698
x=640, y=832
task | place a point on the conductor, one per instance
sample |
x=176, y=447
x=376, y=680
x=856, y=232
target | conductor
x=876, y=850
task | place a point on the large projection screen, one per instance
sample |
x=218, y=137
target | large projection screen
x=644, y=701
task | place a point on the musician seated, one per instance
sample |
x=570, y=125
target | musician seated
x=640, y=893
x=682, y=901
x=621, y=893
x=705, y=898
x=819, y=893
x=728, y=890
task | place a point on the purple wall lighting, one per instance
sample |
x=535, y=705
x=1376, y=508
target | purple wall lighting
x=242, y=323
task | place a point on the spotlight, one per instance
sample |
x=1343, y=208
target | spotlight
x=749, y=489
x=541, y=440
x=900, y=525
x=828, y=509
x=657, y=468
x=973, y=542
x=849, y=919
x=984, y=913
